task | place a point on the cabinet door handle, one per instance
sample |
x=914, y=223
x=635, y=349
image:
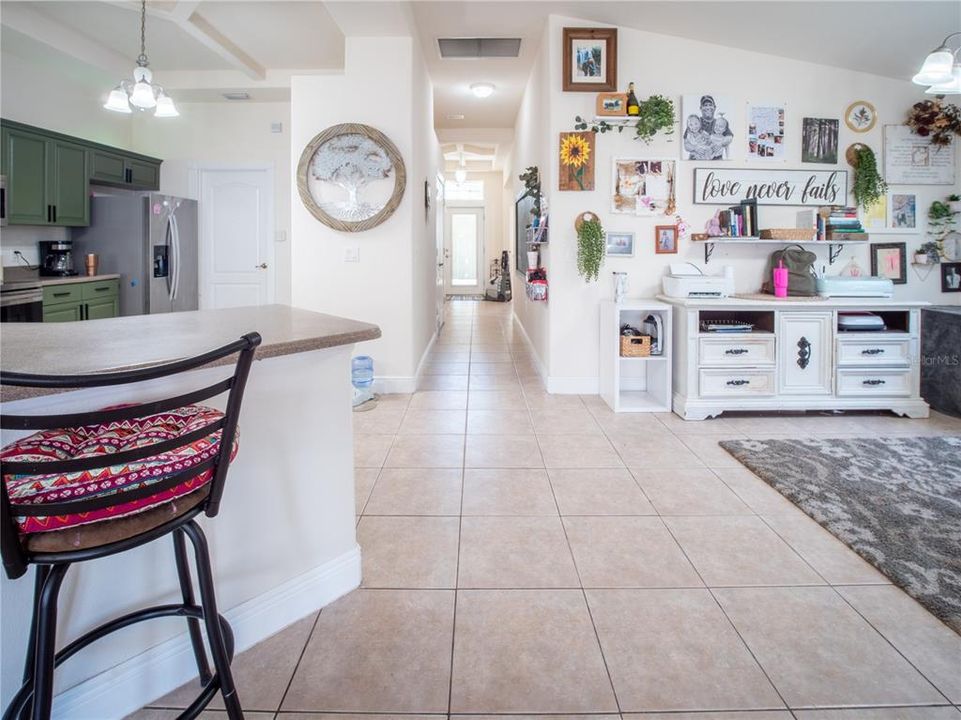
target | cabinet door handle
x=49, y=213
x=55, y=213
x=736, y=351
x=737, y=383
x=872, y=351
x=873, y=382
x=804, y=352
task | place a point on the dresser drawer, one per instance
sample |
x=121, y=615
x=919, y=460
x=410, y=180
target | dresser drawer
x=100, y=289
x=721, y=352
x=741, y=383
x=870, y=352
x=874, y=383
x=62, y=293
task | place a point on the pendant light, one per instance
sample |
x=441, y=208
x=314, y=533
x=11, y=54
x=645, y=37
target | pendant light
x=951, y=87
x=142, y=93
x=938, y=67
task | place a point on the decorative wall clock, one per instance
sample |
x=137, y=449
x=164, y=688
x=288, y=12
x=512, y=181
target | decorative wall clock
x=351, y=177
x=860, y=116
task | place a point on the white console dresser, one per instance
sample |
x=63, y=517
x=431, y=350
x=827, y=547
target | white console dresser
x=795, y=357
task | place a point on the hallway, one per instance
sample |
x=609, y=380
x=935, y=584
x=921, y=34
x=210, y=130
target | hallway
x=527, y=553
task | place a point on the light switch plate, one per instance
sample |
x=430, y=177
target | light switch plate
x=351, y=253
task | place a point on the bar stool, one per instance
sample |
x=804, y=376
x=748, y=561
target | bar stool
x=89, y=485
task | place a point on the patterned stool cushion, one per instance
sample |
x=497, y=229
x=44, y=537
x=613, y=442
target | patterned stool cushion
x=106, y=439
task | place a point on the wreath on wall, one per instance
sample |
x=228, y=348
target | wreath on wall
x=936, y=120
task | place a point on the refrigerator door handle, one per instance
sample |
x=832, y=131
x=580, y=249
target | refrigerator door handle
x=170, y=259
x=176, y=239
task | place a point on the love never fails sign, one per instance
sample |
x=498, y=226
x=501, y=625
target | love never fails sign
x=720, y=186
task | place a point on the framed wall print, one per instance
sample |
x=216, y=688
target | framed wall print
x=590, y=60
x=642, y=186
x=665, y=239
x=860, y=116
x=902, y=212
x=889, y=260
x=910, y=159
x=619, y=244
x=951, y=277
x=611, y=105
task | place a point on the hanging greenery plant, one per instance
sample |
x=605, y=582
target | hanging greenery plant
x=934, y=119
x=590, y=246
x=655, y=114
x=532, y=188
x=869, y=186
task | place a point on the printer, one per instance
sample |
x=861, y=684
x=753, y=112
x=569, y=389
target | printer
x=688, y=281
x=855, y=286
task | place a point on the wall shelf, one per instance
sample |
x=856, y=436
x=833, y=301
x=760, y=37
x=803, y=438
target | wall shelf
x=834, y=246
x=635, y=384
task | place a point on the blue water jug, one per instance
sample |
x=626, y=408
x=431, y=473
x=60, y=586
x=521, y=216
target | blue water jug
x=362, y=372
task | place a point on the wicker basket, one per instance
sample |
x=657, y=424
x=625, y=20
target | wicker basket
x=794, y=234
x=635, y=345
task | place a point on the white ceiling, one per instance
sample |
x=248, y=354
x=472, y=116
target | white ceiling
x=206, y=47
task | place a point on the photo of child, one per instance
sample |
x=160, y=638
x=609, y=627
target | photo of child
x=707, y=132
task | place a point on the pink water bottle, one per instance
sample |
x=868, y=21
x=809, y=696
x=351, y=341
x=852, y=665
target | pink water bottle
x=780, y=280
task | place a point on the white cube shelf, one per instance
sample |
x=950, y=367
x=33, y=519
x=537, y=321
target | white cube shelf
x=641, y=384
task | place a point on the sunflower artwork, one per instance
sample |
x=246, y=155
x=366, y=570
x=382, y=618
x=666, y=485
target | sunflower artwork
x=576, y=161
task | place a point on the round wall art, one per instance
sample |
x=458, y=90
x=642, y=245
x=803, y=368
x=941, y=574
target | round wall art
x=351, y=177
x=860, y=116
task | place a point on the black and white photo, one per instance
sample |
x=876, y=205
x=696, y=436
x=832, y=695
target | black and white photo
x=951, y=277
x=819, y=140
x=708, y=129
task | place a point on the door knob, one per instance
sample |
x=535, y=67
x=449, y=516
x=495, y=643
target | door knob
x=262, y=266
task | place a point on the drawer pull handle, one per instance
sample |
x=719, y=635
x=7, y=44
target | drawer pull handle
x=873, y=382
x=737, y=383
x=873, y=351
x=101, y=289
x=61, y=294
x=736, y=351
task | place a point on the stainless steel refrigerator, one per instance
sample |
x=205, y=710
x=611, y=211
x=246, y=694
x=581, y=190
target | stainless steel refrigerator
x=151, y=241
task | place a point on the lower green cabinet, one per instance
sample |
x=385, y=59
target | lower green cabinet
x=67, y=312
x=101, y=308
x=96, y=300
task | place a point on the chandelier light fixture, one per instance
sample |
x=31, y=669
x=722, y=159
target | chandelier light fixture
x=941, y=69
x=141, y=93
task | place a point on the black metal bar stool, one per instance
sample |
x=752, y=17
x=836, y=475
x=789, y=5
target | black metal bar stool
x=93, y=484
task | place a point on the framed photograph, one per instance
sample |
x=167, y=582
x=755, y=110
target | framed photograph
x=642, y=186
x=765, y=132
x=590, y=60
x=619, y=244
x=611, y=105
x=860, y=116
x=708, y=127
x=902, y=212
x=889, y=260
x=951, y=277
x=819, y=140
x=665, y=239
x=576, y=161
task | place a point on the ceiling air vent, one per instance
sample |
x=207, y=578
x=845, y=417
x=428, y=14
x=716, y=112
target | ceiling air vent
x=479, y=47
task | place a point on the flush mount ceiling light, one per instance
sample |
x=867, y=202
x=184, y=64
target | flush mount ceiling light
x=482, y=89
x=940, y=69
x=141, y=93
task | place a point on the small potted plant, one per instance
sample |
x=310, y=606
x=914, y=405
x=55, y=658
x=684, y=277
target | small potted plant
x=929, y=252
x=954, y=203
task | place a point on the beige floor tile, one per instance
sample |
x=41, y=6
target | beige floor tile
x=442, y=382
x=656, y=451
x=482, y=369
x=578, y=451
x=753, y=491
x=539, y=399
x=507, y=492
x=819, y=652
x=495, y=382
x=511, y=399
x=434, y=422
x=733, y=715
x=924, y=640
x=689, y=492
x=382, y=420
x=515, y=552
x=710, y=452
x=680, y=426
x=598, y=492
x=364, y=479
x=503, y=451
x=833, y=560
x=675, y=650
x=489, y=356
x=527, y=651
x=416, y=491
x=574, y=421
x=370, y=451
x=626, y=424
x=161, y=714
x=901, y=713
x=426, y=451
x=627, y=552
x=446, y=368
x=395, y=401
x=378, y=651
x=408, y=552
x=499, y=422
x=731, y=551
x=450, y=354
x=439, y=400
x=261, y=673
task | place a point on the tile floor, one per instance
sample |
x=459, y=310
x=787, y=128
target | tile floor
x=532, y=554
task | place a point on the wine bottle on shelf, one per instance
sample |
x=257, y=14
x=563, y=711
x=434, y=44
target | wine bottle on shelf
x=633, y=107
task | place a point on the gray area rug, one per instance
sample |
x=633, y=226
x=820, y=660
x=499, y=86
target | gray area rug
x=895, y=501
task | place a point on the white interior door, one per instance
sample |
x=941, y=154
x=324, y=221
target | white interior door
x=236, y=221
x=439, y=215
x=464, y=250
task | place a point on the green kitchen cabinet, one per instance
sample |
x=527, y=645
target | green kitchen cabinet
x=68, y=312
x=107, y=167
x=68, y=186
x=25, y=165
x=92, y=300
x=102, y=308
x=143, y=175
x=123, y=169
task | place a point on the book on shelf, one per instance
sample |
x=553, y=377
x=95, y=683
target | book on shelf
x=740, y=220
x=839, y=222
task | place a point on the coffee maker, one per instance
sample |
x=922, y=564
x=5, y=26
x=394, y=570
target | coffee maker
x=56, y=258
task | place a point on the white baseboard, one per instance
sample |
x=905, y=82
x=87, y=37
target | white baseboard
x=538, y=363
x=400, y=384
x=165, y=667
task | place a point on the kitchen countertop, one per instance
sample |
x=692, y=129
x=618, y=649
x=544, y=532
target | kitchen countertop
x=96, y=346
x=756, y=300
x=15, y=278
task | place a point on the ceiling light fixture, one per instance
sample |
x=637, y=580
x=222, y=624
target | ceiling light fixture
x=940, y=69
x=482, y=89
x=142, y=93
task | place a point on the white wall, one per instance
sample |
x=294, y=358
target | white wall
x=377, y=87
x=808, y=90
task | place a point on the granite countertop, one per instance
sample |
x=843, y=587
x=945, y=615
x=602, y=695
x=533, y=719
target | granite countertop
x=16, y=277
x=758, y=300
x=96, y=346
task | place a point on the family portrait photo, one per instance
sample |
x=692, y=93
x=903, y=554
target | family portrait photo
x=665, y=239
x=620, y=244
x=708, y=131
x=590, y=60
x=819, y=140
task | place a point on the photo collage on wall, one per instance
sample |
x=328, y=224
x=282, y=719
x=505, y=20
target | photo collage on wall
x=765, y=132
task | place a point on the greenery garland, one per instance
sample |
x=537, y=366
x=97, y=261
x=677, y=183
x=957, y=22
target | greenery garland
x=654, y=114
x=869, y=186
x=532, y=188
x=590, y=249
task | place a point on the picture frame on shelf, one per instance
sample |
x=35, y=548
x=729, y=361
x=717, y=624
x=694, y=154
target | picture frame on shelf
x=902, y=212
x=665, y=239
x=619, y=244
x=611, y=104
x=951, y=277
x=890, y=260
x=590, y=59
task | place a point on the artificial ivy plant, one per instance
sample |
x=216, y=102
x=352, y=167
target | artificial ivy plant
x=869, y=186
x=654, y=114
x=532, y=188
x=590, y=248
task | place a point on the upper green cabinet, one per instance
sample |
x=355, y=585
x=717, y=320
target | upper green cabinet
x=49, y=174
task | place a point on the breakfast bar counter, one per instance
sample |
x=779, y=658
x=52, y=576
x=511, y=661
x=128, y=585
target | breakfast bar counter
x=284, y=543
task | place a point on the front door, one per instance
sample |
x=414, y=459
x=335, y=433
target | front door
x=464, y=250
x=236, y=223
